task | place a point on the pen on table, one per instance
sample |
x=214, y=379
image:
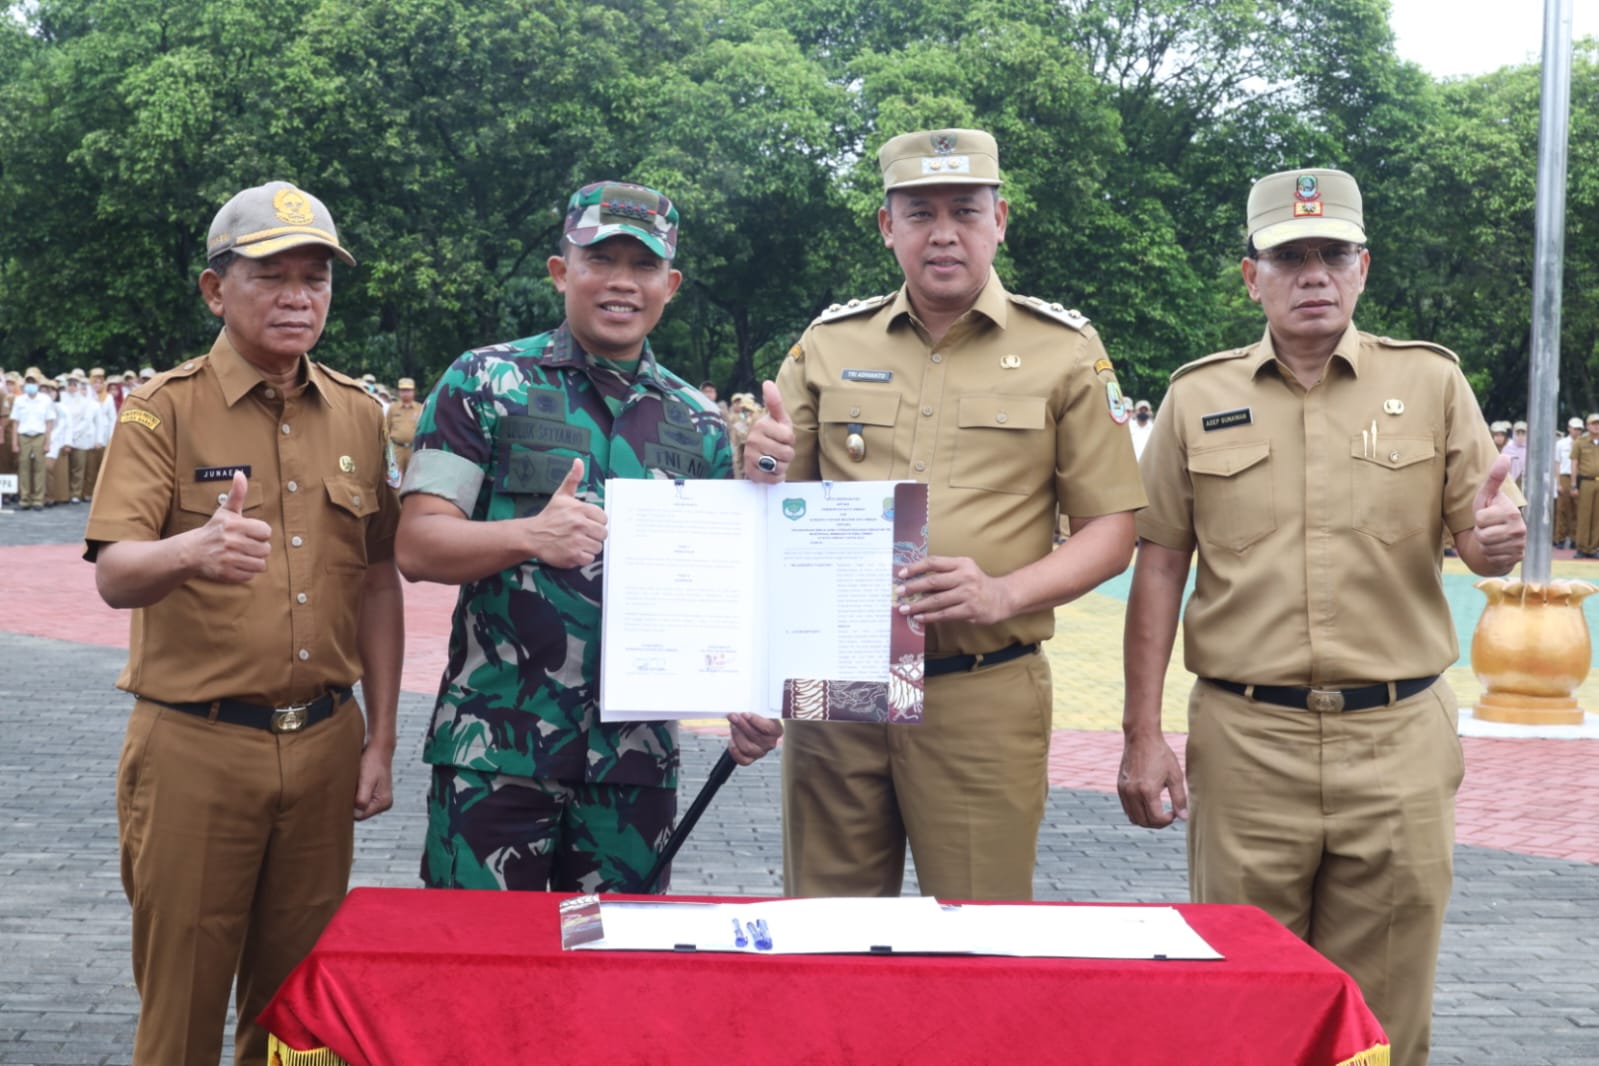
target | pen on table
x=739, y=939
x=763, y=937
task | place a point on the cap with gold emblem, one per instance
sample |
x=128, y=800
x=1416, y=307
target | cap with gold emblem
x=273, y=218
x=939, y=157
x=1295, y=204
x=406, y=383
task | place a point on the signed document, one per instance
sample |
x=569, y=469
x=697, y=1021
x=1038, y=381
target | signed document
x=725, y=596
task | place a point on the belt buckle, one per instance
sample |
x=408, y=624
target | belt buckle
x=1325, y=700
x=290, y=719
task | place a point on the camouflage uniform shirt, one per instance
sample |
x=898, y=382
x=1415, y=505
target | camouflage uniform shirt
x=496, y=437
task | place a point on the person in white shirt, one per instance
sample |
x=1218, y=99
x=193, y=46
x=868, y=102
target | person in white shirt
x=85, y=429
x=104, y=417
x=1142, y=423
x=33, y=416
x=1565, y=486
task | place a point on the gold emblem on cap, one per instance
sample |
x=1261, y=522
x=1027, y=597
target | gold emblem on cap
x=1393, y=407
x=292, y=206
x=346, y=464
x=1010, y=362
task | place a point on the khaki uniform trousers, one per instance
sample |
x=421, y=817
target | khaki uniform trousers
x=58, y=477
x=8, y=458
x=91, y=471
x=31, y=482
x=77, y=468
x=966, y=786
x=236, y=851
x=1340, y=826
x=402, y=456
x=1565, y=511
x=1588, y=516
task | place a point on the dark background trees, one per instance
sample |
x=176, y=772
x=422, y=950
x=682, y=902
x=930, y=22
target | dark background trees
x=446, y=135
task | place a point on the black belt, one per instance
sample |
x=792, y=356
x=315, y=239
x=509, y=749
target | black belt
x=1329, y=700
x=956, y=663
x=273, y=719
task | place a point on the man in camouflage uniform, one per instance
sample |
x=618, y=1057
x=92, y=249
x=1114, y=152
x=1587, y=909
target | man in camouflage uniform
x=504, y=497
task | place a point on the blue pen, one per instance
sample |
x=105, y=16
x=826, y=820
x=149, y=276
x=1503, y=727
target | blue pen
x=763, y=938
x=739, y=939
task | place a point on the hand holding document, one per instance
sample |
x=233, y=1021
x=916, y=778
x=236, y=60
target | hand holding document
x=726, y=596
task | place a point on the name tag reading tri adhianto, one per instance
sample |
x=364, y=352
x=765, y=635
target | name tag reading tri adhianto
x=220, y=473
x=1227, y=419
x=869, y=375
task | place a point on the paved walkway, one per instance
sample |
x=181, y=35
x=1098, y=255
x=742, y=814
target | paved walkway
x=1518, y=976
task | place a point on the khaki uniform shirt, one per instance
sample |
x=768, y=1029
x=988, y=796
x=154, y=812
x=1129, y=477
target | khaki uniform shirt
x=316, y=473
x=400, y=422
x=1012, y=420
x=1318, y=514
x=1585, y=457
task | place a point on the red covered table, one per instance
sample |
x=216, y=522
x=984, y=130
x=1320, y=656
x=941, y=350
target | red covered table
x=419, y=976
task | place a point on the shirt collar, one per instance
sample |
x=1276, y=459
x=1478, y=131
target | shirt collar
x=991, y=303
x=1347, y=349
x=564, y=351
x=237, y=376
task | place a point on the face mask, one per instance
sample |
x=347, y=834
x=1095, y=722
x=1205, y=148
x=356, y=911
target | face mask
x=1142, y=418
x=31, y=389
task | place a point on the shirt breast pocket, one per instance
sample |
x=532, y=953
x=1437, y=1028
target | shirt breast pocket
x=1234, y=501
x=1396, y=489
x=350, y=502
x=838, y=414
x=199, y=500
x=1002, y=444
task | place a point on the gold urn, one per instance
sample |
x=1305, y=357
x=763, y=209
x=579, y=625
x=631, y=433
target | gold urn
x=1531, y=651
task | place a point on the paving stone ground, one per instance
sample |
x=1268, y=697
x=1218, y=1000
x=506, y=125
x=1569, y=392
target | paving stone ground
x=1518, y=975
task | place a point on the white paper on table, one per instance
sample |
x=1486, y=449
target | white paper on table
x=1085, y=932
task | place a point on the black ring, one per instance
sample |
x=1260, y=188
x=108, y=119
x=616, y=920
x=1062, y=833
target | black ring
x=767, y=463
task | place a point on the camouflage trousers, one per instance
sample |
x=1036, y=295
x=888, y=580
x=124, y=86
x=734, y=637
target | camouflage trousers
x=498, y=831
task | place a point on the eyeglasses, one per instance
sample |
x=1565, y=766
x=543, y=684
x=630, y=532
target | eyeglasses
x=1334, y=257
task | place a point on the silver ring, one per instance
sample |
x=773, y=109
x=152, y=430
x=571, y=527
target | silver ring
x=767, y=463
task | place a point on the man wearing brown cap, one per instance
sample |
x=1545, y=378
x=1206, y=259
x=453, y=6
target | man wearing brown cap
x=504, y=497
x=1585, y=479
x=399, y=422
x=1008, y=409
x=1315, y=472
x=1565, y=488
x=244, y=516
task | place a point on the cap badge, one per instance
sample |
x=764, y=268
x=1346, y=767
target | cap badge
x=292, y=206
x=346, y=464
x=1010, y=362
x=943, y=143
x=1393, y=407
x=1306, y=188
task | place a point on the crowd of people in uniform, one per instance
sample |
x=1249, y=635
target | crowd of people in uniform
x=1575, y=481
x=258, y=510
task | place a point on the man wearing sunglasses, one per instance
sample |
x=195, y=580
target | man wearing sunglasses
x=1315, y=472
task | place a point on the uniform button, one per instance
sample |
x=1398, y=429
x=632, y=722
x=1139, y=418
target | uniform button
x=304, y=655
x=293, y=486
x=222, y=497
x=188, y=366
x=1393, y=457
x=938, y=357
x=1002, y=418
x=920, y=465
x=296, y=541
x=284, y=428
x=356, y=500
x=855, y=412
x=928, y=410
x=301, y=598
x=272, y=394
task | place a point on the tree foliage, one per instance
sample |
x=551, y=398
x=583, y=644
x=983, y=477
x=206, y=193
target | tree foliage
x=447, y=134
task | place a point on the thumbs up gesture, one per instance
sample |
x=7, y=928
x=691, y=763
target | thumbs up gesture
x=772, y=436
x=1501, y=531
x=230, y=546
x=570, y=531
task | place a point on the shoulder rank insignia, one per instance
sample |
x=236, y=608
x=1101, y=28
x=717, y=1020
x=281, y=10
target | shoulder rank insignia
x=1059, y=312
x=853, y=307
x=1437, y=349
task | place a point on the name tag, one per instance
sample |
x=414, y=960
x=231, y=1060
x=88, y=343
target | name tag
x=675, y=461
x=543, y=432
x=220, y=473
x=1227, y=419
x=869, y=375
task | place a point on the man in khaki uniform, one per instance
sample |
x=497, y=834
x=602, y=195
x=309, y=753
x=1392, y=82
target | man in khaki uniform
x=33, y=423
x=244, y=516
x=1585, y=477
x=10, y=388
x=1565, y=489
x=399, y=422
x=1008, y=409
x=1315, y=471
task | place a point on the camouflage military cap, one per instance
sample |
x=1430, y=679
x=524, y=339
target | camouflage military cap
x=273, y=218
x=1292, y=205
x=614, y=208
x=939, y=157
